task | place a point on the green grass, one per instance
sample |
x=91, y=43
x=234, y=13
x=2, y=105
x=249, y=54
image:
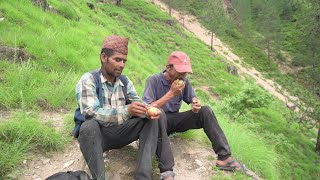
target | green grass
x=248, y=147
x=25, y=81
x=66, y=44
x=24, y=132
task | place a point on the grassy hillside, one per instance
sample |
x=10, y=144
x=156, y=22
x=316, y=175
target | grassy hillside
x=65, y=43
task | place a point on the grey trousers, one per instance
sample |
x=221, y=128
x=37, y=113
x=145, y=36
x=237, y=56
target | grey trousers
x=95, y=139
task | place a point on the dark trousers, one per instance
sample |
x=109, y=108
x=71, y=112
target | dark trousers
x=95, y=139
x=181, y=122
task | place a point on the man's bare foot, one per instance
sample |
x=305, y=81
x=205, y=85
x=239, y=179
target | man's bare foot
x=169, y=178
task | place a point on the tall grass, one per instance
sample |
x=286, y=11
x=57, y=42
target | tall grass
x=290, y=141
x=22, y=133
x=248, y=147
x=52, y=92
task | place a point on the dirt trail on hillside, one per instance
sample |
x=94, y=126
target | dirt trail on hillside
x=194, y=160
x=192, y=25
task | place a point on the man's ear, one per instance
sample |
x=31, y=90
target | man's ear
x=168, y=67
x=103, y=57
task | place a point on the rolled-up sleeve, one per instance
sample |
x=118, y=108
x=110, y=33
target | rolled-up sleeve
x=149, y=94
x=188, y=92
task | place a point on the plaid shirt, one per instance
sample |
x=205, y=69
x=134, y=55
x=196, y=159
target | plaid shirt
x=114, y=110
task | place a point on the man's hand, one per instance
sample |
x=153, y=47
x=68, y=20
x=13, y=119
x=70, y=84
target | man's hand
x=137, y=109
x=177, y=87
x=153, y=112
x=196, y=105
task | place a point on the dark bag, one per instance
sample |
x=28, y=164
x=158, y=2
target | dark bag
x=69, y=175
x=80, y=118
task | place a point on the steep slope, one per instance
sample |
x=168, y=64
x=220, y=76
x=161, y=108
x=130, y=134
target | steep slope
x=192, y=25
x=64, y=42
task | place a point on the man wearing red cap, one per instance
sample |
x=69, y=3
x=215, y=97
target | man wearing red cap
x=167, y=90
x=111, y=117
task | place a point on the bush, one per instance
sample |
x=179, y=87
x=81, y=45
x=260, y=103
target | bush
x=248, y=98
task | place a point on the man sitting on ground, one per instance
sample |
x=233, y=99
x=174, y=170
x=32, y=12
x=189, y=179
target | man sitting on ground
x=167, y=90
x=110, y=122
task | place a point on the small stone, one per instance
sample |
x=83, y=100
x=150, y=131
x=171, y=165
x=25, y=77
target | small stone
x=67, y=164
x=24, y=162
x=200, y=169
x=198, y=162
x=35, y=176
x=45, y=161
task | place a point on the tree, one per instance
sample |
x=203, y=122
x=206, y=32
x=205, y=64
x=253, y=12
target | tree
x=311, y=46
x=243, y=14
x=311, y=41
x=214, y=17
x=182, y=6
x=268, y=24
x=170, y=6
x=308, y=113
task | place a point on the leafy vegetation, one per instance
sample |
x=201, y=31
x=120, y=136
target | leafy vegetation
x=66, y=43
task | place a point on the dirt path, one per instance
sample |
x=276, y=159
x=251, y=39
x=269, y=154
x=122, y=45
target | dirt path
x=194, y=160
x=192, y=163
x=192, y=25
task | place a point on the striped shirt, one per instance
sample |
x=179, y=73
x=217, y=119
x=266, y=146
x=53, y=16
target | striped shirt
x=114, y=110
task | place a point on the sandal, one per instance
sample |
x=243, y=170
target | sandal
x=228, y=167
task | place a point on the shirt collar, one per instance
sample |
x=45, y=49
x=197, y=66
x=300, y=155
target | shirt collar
x=163, y=79
x=104, y=80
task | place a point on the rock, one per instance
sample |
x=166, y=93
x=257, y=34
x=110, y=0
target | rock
x=170, y=22
x=67, y=164
x=45, y=161
x=41, y=3
x=91, y=6
x=198, y=162
x=13, y=54
x=36, y=177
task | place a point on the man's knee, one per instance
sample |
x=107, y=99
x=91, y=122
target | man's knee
x=162, y=119
x=207, y=114
x=89, y=127
x=205, y=110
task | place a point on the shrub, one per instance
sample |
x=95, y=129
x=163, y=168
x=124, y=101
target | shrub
x=248, y=98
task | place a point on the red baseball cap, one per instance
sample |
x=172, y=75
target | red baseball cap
x=180, y=61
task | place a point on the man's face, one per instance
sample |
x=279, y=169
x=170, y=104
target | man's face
x=174, y=75
x=114, y=64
